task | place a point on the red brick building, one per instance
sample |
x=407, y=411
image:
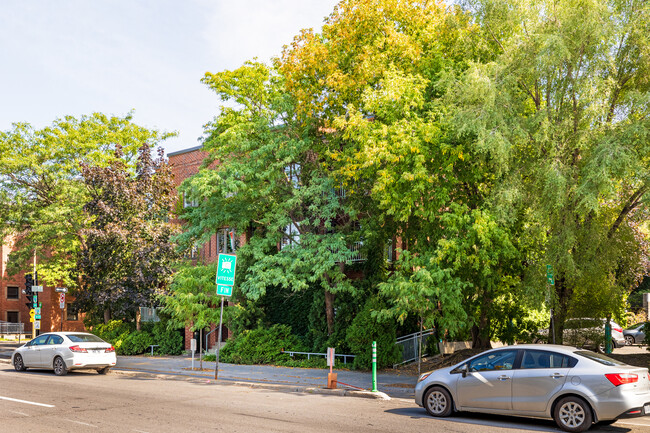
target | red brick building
x=13, y=301
x=186, y=163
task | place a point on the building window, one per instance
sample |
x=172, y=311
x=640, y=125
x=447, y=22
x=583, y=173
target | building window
x=12, y=292
x=187, y=202
x=290, y=236
x=227, y=241
x=71, y=313
x=292, y=171
x=12, y=316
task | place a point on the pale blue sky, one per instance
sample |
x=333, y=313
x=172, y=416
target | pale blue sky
x=76, y=57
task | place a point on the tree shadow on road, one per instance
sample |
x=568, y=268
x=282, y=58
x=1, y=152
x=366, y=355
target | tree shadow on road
x=500, y=421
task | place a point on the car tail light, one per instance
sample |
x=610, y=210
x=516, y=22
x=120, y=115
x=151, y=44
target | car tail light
x=622, y=378
x=78, y=349
x=110, y=349
x=618, y=329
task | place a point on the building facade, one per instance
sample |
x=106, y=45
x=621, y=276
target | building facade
x=13, y=302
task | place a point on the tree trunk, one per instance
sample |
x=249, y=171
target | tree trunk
x=481, y=332
x=138, y=316
x=107, y=315
x=563, y=294
x=329, y=311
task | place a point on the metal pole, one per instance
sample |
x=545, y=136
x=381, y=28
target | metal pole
x=201, y=349
x=216, y=367
x=374, y=366
x=420, y=348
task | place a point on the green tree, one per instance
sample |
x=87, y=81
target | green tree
x=563, y=109
x=41, y=190
x=127, y=253
x=264, y=178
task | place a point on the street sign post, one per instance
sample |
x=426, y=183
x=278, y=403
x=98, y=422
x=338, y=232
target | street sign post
x=37, y=288
x=37, y=324
x=226, y=266
x=61, y=289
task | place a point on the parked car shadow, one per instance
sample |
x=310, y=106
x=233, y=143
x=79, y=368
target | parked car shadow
x=500, y=421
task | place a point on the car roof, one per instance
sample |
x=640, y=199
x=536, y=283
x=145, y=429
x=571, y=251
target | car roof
x=553, y=347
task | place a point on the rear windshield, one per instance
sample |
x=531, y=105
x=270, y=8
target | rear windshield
x=598, y=357
x=84, y=338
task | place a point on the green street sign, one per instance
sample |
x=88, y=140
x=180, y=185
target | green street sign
x=549, y=275
x=223, y=290
x=226, y=269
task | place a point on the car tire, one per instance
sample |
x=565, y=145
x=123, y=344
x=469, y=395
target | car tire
x=103, y=370
x=60, y=369
x=629, y=340
x=19, y=364
x=437, y=401
x=572, y=414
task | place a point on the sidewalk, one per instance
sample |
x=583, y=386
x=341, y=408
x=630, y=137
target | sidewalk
x=392, y=384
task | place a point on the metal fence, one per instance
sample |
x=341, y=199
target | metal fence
x=410, y=345
x=11, y=328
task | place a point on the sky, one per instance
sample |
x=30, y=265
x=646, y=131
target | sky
x=70, y=57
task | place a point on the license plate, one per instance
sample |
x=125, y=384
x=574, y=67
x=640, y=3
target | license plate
x=97, y=351
x=646, y=409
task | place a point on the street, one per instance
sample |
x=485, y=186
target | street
x=38, y=401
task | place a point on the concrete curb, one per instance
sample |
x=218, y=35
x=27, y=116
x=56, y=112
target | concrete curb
x=278, y=387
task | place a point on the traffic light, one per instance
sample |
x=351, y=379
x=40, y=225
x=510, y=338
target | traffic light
x=29, y=282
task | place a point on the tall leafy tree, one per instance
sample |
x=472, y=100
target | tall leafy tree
x=264, y=178
x=377, y=75
x=127, y=253
x=564, y=108
x=42, y=193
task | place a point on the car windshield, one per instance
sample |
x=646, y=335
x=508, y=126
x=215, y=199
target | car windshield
x=85, y=338
x=598, y=357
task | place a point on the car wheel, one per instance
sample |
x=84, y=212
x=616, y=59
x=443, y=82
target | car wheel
x=629, y=340
x=103, y=370
x=572, y=414
x=60, y=369
x=19, y=365
x=437, y=402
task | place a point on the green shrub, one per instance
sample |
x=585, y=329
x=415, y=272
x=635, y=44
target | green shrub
x=134, y=343
x=113, y=330
x=169, y=341
x=364, y=330
x=261, y=346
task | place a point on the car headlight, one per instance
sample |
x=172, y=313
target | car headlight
x=424, y=376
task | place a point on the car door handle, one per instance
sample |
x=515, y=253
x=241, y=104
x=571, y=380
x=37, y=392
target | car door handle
x=556, y=375
x=504, y=377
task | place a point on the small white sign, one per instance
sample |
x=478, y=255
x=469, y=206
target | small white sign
x=37, y=288
x=193, y=345
x=37, y=324
x=62, y=305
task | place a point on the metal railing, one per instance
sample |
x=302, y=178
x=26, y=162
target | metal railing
x=410, y=345
x=12, y=328
x=345, y=357
x=359, y=255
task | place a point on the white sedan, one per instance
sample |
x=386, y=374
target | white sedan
x=64, y=351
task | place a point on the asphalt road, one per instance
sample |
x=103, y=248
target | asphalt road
x=38, y=401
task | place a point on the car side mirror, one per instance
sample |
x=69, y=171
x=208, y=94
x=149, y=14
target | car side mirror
x=463, y=370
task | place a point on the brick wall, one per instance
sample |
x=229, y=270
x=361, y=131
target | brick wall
x=51, y=314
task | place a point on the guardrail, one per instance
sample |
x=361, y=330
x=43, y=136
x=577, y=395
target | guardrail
x=12, y=328
x=410, y=345
x=292, y=352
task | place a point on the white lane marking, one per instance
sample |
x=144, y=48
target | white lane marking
x=79, y=422
x=26, y=402
x=140, y=431
x=20, y=413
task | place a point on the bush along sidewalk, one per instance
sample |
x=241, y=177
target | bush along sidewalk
x=128, y=341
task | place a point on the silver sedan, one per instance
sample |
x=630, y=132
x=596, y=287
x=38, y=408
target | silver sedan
x=574, y=387
x=64, y=351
